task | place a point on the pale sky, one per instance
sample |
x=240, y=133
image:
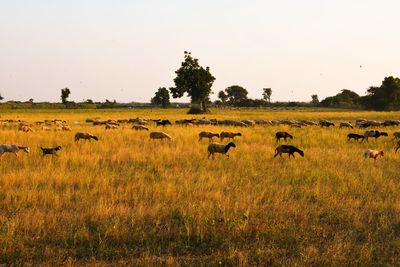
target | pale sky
x=127, y=49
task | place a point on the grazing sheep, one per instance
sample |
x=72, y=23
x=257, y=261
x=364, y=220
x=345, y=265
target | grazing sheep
x=45, y=128
x=396, y=135
x=163, y=123
x=283, y=135
x=140, y=128
x=229, y=135
x=50, y=151
x=355, y=137
x=111, y=126
x=219, y=148
x=12, y=149
x=25, y=128
x=85, y=136
x=374, y=133
x=160, y=135
x=325, y=123
x=345, y=125
x=66, y=128
x=287, y=149
x=371, y=153
x=208, y=135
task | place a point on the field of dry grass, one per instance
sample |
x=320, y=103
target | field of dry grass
x=129, y=200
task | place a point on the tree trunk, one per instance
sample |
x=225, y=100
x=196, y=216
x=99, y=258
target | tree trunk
x=203, y=106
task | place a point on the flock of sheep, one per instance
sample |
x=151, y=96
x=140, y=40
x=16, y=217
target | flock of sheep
x=213, y=147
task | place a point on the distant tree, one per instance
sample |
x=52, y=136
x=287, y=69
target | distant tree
x=89, y=101
x=267, y=92
x=236, y=94
x=1, y=97
x=345, y=99
x=31, y=100
x=314, y=100
x=222, y=96
x=161, y=97
x=64, y=95
x=194, y=80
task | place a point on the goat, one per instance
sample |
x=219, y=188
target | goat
x=283, y=135
x=50, y=151
x=85, y=136
x=229, y=135
x=219, y=148
x=355, y=137
x=287, y=149
x=160, y=135
x=374, y=133
x=208, y=135
x=371, y=153
x=13, y=149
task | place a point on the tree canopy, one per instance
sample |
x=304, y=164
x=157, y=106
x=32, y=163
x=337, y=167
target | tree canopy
x=267, y=92
x=161, y=97
x=194, y=80
x=236, y=94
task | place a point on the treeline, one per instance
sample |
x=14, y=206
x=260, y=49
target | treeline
x=384, y=97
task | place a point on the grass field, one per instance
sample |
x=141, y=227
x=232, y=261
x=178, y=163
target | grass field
x=126, y=200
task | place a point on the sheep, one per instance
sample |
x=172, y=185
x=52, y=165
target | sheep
x=160, y=135
x=85, y=136
x=25, y=128
x=219, y=148
x=374, y=133
x=287, y=149
x=371, y=153
x=208, y=135
x=346, y=125
x=355, y=137
x=283, y=135
x=111, y=126
x=325, y=123
x=396, y=135
x=50, y=151
x=140, y=128
x=45, y=128
x=229, y=135
x=66, y=128
x=13, y=149
x=163, y=123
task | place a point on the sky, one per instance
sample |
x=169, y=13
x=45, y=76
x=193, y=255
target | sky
x=127, y=49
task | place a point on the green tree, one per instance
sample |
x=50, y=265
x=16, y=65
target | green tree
x=222, y=96
x=385, y=97
x=1, y=97
x=236, y=94
x=267, y=92
x=314, y=100
x=194, y=80
x=64, y=95
x=161, y=97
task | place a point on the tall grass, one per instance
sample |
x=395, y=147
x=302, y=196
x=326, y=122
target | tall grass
x=129, y=200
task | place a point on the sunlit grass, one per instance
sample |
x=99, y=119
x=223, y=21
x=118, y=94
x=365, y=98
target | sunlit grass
x=130, y=200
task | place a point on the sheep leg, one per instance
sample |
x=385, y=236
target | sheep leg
x=16, y=154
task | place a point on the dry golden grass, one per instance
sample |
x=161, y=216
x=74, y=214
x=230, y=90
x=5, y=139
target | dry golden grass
x=127, y=200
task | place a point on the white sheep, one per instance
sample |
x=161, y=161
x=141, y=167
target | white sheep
x=371, y=153
x=229, y=135
x=140, y=128
x=208, y=135
x=12, y=149
x=219, y=148
x=160, y=135
x=345, y=125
